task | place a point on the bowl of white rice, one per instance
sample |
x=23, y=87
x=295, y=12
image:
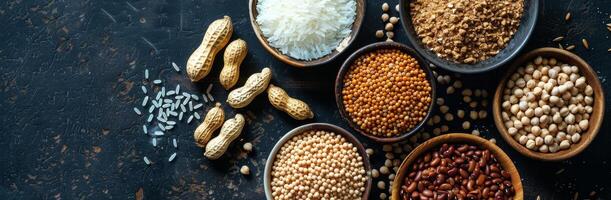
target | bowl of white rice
x=305, y=33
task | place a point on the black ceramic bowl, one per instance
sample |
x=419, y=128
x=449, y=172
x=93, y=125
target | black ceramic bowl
x=527, y=25
x=339, y=85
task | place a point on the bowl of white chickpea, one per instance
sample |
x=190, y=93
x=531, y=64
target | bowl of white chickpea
x=550, y=105
x=317, y=161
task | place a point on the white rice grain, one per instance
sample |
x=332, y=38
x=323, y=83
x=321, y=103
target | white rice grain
x=169, y=127
x=187, y=100
x=145, y=101
x=144, y=129
x=158, y=96
x=152, y=108
x=161, y=126
x=167, y=105
x=175, y=143
x=162, y=91
x=158, y=133
x=157, y=81
x=170, y=93
x=177, y=89
x=179, y=97
x=146, y=74
x=180, y=116
x=154, y=142
x=209, y=88
x=175, y=67
x=190, y=118
x=182, y=108
x=210, y=97
x=171, y=122
x=146, y=160
x=143, y=89
x=150, y=119
x=137, y=111
x=198, y=106
x=205, y=98
x=190, y=106
x=193, y=96
x=172, y=157
x=196, y=115
x=167, y=101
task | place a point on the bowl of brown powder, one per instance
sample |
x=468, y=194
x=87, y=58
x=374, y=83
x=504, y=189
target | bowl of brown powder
x=468, y=36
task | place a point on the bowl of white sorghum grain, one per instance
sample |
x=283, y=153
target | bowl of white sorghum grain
x=317, y=161
x=469, y=36
x=550, y=105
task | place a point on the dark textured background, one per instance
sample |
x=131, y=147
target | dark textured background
x=70, y=76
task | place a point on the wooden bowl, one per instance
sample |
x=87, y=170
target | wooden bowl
x=596, y=117
x=517, y=42
x=339, y=85
x=503, y=159
x=267, y=179
x=356, y=26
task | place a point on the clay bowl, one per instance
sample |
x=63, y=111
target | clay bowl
x=503, y=159
x=356, y=26
x=596, y=117
x=267, y=179
x=339, y=85
x=517, y=42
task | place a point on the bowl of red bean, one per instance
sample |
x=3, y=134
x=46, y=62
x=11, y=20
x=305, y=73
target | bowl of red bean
x=457, y=166
x=384, y=91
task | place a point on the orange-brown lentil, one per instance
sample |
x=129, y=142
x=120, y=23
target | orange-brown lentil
x=386, y=93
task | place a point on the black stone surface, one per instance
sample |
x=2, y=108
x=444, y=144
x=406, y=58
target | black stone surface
x=70, y=73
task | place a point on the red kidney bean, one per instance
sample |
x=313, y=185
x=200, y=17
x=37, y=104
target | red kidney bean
x=457, y=171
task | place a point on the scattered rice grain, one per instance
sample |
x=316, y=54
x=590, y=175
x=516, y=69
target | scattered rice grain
x=585, y=43
x=146, y=160
x=144, y=129
x=558, y=39
x=175, y=67
x=172, y=157
x=175, y=143
x=146, y=74
x=143, y=89
x=196, y=115
x=137, y=111
x=157, y=81
x=158, y=133
x=190, y=118
x=145, y=101
x=571, y=47
x=198, y=106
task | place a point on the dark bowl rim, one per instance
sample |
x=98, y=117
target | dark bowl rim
x=415, y=41
x=424, y=65
x=356, y=28
x=317, y=126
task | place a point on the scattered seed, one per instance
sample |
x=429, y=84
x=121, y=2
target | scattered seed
x=190, y=106
x=146, y=160
x=384, y=17
x=210, y=97
x=175, y=67
x=150, y=119
x=145, y=100
x=560, y=171
x=390, y=34
x=146, y=74
x=585, y=43
x=190, y=118
x=154, y=142
x=204, y=97
x=137, y=111
x=567, y=17
x=198, y=106
x=244, y=170
x=170, y=93
x=397, y=8
x=385, y=7
x=394, y=20
x=609, y=50
x=144, y=129
x=247, y=146
x=196, y=115
x=558, y=39
x=172, y=157
x=379, y=34
x=158, y=133
x=157, y=81
x=175, y=143
x=560, y=46
x=143, y=89
x=570, y=47
x=180, y=115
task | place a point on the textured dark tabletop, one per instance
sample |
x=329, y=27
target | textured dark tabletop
x=70, y=73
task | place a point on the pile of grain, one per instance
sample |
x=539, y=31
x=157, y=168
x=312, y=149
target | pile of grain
x=466, y=31
x=306, y=29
